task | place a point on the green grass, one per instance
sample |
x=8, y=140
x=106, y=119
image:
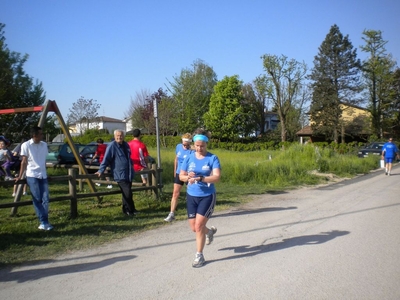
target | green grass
x=243, y=174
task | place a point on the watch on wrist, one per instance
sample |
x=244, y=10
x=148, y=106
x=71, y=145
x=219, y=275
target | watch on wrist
x=201, y=178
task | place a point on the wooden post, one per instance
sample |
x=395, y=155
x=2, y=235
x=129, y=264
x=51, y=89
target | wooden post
x=18, y=195
x=72, y=192
x=80, y=181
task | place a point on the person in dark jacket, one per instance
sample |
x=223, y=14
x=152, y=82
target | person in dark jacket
x=117, y=156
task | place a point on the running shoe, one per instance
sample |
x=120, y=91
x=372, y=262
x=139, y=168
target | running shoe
x=109, y=186
x=45, y=227
x=170, y=218
x=210, y=235
x=198, y=261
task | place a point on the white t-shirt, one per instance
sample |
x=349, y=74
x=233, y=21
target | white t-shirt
x=36, y=157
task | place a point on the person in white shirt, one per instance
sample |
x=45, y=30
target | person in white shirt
x=33, y=153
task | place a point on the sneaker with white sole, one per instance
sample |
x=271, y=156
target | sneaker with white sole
x=45, y=227
x=98, y=184
x=210, y=235
x=170, y=218
x=109, y=186
x=198, y=261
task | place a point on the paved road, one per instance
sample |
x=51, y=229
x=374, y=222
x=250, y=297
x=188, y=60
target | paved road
x=339, y=241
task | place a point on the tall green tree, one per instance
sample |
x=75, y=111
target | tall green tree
x=378, y=71
x=396, y=103
x=284, y=81
x=17, y=89
x=335, y=80
x=192, y=91
x=226, y=114
x=83, y=113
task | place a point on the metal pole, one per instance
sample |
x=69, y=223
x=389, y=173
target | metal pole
x=155, y=104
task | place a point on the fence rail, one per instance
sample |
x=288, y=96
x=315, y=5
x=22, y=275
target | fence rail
x=75, y=183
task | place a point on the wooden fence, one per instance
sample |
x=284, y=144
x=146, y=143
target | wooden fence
x=75, y=182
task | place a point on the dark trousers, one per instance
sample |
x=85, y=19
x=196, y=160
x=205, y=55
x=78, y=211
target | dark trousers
x=127, y=198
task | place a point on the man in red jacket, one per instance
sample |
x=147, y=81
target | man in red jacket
x=139, y=154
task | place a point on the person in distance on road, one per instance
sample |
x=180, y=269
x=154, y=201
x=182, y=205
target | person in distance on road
x=389, y=152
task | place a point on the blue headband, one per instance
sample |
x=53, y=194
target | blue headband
x=200, y=137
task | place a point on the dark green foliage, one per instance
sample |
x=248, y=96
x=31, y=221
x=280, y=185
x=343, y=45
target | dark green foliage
x=17, y=89
x=335, y=80
x=227, y=112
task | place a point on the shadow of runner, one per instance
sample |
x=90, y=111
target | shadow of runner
x=34, y=274
x=247, y=251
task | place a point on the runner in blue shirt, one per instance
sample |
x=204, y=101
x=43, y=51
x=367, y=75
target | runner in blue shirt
x=182, y=151
x=200, y=170
x=389, y=151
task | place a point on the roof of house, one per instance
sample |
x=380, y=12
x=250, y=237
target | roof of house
x=306, y=130
x=108, y=119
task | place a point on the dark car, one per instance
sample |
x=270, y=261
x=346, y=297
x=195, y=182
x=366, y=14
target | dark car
x=61, y=153
x=87, y=154
x=371, y=149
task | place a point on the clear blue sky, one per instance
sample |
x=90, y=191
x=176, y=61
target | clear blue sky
x=111, y=50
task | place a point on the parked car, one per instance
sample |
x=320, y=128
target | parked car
x=61, y=153
x=87, y=154
x=371, y=149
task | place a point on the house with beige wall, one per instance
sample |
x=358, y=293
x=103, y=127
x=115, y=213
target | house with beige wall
x=356, y=125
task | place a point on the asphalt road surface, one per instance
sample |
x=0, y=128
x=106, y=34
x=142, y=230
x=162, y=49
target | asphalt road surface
x=339, y=241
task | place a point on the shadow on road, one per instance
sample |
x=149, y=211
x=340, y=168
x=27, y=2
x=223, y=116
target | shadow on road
x=35, y=274
x=252, y=211
x=247, y=251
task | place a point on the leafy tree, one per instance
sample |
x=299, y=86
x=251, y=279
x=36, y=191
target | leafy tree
x=396, y=103
x=335, y=80
x=283, y=83
x=226, y=114
x=166, y=112
x=138, y=109
x=143, y=113
x=378, y=71
x=251, y=107
x=83, y=113
x=192, y=91
x=17, y=90
x=262, y=105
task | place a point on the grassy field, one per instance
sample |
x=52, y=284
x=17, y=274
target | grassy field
x=243, y=175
